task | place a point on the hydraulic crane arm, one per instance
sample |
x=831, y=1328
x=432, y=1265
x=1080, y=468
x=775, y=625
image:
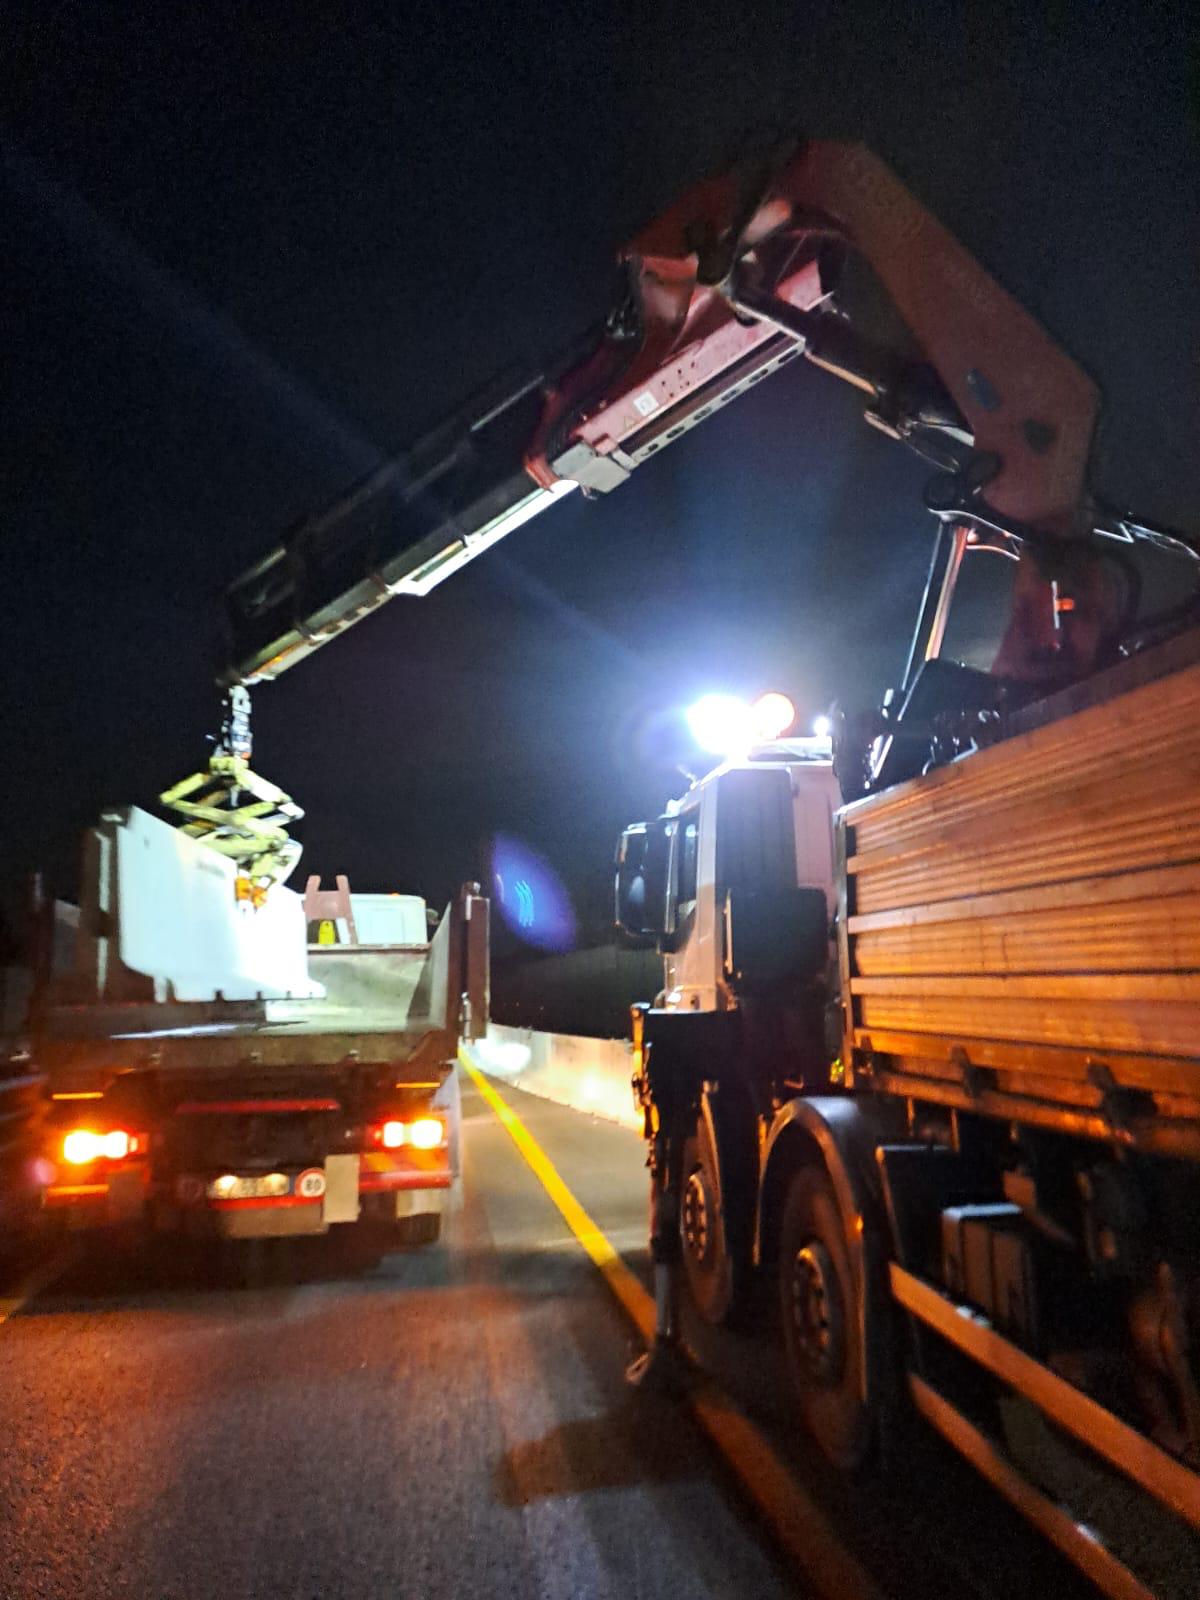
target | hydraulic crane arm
x=738, y=278
x=741, y=271
x=727, y=286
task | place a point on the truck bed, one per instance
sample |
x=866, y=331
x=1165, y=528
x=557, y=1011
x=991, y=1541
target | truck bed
x=380, y=1003
x=1022, y=927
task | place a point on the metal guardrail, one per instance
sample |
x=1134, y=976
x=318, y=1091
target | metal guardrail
x=589, y=1075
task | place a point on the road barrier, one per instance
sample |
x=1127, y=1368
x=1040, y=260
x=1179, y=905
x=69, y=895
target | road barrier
x=590, y=1075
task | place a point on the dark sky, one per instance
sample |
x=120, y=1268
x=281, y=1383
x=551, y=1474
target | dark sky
x=245, y=262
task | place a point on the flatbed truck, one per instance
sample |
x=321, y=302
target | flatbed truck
x=214, y=1073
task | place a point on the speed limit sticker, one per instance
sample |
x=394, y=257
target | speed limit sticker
x=310, y=1185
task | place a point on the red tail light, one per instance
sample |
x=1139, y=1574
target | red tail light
x=82, y=1146
x=418, y=1133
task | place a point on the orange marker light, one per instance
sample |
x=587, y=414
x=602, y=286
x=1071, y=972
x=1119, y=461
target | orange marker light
x=772, y=715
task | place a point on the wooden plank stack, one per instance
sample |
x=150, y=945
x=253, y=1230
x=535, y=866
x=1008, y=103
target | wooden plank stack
x=1025, y=922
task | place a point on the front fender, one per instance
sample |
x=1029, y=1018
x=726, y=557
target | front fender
x=845, y=1132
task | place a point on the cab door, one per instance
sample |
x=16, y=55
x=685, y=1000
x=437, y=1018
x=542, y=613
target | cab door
x=693, y=960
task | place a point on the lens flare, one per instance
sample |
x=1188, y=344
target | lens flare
x=723, y=725
x=530, y=897
x=720, y=724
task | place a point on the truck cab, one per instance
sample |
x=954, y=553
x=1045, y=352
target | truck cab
x=722, y=879
x=734, y=884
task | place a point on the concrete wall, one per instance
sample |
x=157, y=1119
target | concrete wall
x=584, y=992
x=590, y=1075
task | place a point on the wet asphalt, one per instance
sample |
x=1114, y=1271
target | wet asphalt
x=452, y=1422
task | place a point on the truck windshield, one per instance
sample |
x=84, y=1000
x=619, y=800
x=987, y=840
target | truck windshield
x=979, y=615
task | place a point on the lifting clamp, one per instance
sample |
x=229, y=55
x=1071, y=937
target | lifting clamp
x=235, y=812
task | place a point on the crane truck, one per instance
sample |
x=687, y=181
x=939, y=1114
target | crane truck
x=926, y=1053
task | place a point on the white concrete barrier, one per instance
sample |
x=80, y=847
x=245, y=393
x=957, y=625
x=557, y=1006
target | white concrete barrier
x=589, y=1075
x=179, y=930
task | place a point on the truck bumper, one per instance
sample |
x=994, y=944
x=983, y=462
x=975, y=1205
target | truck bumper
x=358, y=1187
x=368, y=1186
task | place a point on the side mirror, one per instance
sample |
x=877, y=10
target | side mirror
x=643, y=877
x=775, y=935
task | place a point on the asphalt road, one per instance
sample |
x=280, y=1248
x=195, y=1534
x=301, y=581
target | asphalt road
x=452, y=1422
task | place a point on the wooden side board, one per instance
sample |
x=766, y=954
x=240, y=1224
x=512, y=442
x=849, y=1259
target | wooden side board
x=1038, y=902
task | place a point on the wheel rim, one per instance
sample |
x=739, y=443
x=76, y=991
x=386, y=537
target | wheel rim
x=816, y=1312
x=695, y=1218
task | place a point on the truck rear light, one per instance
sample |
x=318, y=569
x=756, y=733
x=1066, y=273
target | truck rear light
x=422, y=1133
x=82, y=1146
x=426, y=1133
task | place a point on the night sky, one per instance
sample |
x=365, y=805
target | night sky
x=245, y=264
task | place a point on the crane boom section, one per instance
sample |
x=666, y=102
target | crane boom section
x=731, y=283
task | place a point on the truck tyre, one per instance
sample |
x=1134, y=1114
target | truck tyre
x=821, y=1331
x=414, y=1233
x=703, y=1238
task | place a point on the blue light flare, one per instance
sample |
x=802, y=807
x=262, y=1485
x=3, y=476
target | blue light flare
x=529, y=895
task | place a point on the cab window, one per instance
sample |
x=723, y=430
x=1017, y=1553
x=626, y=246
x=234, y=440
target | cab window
x=980, y=613
x=687, y=852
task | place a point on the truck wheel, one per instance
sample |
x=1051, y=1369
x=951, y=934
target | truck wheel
x=703, y=1240
x=413, y=1233
x=818, y=1301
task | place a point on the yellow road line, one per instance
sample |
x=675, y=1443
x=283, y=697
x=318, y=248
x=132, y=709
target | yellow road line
x=637, y=1303
x=803, y=1529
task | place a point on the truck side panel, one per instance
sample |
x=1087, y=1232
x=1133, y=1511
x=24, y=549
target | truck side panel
x=1025, y=923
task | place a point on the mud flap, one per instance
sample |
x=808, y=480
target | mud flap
x=420, y=1202
x=341, y=1188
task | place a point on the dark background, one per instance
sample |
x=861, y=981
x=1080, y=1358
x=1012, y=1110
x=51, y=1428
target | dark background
x=246, y=260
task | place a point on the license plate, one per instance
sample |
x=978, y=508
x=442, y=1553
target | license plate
x=270, y=1186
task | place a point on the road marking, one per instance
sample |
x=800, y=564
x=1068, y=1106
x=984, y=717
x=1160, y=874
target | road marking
x=803, y=1529
x=36, y=1279
x=636, y=1302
